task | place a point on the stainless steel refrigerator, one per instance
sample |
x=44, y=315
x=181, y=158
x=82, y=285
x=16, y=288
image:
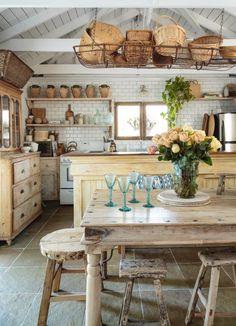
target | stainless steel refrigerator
x=225, y=130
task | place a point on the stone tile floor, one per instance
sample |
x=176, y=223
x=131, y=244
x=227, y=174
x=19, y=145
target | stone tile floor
x=22, y=271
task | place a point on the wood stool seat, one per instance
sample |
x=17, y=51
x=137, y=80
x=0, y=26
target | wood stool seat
x=59, y=246
x=63, y=245
x=143, y=268
x=213, y=259
x=218, y=258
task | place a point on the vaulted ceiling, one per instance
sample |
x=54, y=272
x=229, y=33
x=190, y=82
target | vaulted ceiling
x=46, y=35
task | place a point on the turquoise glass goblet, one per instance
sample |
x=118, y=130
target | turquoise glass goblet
x=124, y=183
x=110, y=181
x=148, y=182
x=133, y=181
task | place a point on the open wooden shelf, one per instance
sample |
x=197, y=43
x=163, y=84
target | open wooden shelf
x=214, y=99
x=49, y=125
x=77, y=99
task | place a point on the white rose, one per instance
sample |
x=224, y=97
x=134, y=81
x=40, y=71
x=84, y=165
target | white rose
x=175, y=148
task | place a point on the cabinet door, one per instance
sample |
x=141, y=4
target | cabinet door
x=16, y=136
x=5, y=121
x=49, y=186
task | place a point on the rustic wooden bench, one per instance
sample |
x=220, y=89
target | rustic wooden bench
x=143, y=268
x=60, y=246
x=213, y=259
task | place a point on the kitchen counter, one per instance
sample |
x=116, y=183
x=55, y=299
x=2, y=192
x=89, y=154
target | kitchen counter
x=88, y=170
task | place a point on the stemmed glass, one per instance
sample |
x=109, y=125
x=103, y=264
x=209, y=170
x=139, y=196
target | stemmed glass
x=133, y=180
x=148, y=182
x=110, y=181
x=124, y=183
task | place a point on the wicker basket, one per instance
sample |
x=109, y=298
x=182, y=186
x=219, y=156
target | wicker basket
x=119, y=60
x=138, y=52
x=204, y=48
x=139, y=35
x=161, y=61
x=96, y=45
x=228, y=52
x=171, y=35
x=13, y=70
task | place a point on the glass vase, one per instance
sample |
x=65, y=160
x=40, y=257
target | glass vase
x=185, y=179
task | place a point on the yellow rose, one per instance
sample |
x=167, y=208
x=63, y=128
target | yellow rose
x=215, y=144
x=198, y=136
x=184, y=137
x=175, y=148
x=173, y=135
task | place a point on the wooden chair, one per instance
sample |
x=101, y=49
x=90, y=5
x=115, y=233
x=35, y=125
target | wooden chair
x=59, y=246
x=213, y=259
x=143, y=268
x=221, y=181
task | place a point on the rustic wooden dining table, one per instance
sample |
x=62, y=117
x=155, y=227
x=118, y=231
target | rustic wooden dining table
x=213, y=224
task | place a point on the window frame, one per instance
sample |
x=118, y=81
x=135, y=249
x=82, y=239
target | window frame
x=142, y=116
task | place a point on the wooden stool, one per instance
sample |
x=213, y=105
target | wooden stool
x=59, y=246
x=214, y=260
x=221, y=182
x=143, y=268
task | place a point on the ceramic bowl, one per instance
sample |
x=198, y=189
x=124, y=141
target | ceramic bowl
x=25, y=149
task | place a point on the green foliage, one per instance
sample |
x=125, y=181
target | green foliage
x=187, y=153
x=175, y=95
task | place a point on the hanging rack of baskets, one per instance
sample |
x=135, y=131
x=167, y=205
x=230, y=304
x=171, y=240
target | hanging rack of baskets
x=103, y=46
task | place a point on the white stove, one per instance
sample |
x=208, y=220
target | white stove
x=66, y=182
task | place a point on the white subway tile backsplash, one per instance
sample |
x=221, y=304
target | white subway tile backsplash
x=127, y=89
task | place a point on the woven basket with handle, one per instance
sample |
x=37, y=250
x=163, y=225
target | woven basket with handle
x=171, y=35
x=137, y=52
x=139, y=35
x=204, y=48
x=98, y=42
x=228, y=52
x=13, y=70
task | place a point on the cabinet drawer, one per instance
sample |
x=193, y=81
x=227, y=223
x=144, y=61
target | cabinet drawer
x=25, y=211
x=34, y=165
x=48, y=165
x=21, y=170
x=26, y=189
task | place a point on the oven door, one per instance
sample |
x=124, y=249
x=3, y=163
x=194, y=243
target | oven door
x=66, y=179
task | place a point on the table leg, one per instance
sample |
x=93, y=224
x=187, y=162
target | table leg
x=93, y=291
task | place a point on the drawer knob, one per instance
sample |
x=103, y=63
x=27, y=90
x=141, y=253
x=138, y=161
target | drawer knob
x=35, y=165
x=23, y=171
x=22, y=191
x=35, y=182
x=22, y=215
x=35, y=204
x=46, y=165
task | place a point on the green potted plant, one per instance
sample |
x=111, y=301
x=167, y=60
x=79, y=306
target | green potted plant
x=76, y=90
x=176, y=93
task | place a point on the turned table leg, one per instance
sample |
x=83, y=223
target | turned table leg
x=93, y=291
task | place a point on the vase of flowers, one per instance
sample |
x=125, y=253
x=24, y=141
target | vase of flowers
x=185, y=148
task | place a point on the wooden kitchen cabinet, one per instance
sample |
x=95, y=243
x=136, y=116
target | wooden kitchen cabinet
x=10, y=117
x=50, y=177
x=20, y=200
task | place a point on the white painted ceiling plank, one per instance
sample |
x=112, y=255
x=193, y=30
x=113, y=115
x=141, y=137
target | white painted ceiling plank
x=29, y=23
x=214, y=27
x=119, y=3
x=191, y=20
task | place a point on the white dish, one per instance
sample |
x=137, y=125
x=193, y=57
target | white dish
x=25, y=149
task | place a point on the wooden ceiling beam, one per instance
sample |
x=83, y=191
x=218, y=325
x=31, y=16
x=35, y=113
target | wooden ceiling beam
x=29, y=23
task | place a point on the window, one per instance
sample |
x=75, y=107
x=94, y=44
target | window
x=137, y=120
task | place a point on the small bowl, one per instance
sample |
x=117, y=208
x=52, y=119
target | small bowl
x=25, y=149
